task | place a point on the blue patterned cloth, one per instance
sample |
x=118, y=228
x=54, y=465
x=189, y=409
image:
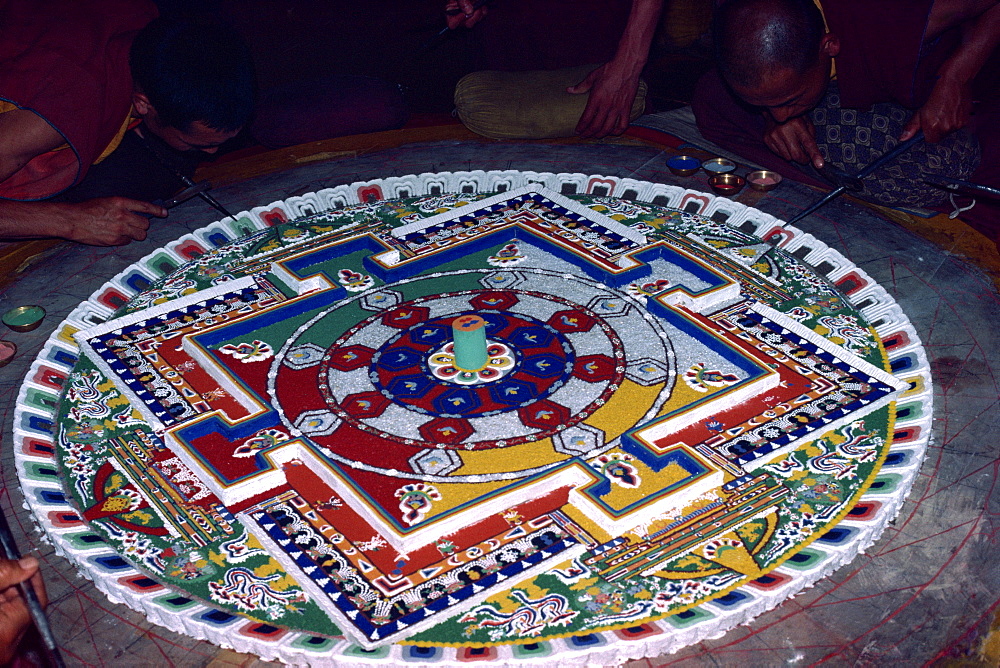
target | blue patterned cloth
x=850, y=139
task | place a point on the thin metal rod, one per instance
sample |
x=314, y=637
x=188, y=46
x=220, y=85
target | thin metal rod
x=433, y=41
x=30, y=597
x=208, y=199
x=881, y=160
x=815, y=205
x=958, y=185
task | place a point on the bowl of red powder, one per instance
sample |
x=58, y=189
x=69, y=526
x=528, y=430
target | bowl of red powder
x=727, y=184
x=7, y=352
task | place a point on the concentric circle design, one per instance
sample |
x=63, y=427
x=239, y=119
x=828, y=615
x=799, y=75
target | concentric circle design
x=569, y=360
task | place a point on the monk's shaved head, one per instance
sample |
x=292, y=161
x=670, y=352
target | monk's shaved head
x=754, y=38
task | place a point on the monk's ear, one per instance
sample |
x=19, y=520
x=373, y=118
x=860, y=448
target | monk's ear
x=829, y=45
x=141, y=103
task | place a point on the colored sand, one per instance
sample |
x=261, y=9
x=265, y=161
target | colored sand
x=719, y=166
x=23, y=316
x=683, y=163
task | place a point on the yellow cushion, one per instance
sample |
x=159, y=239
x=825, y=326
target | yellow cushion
x=527, y=105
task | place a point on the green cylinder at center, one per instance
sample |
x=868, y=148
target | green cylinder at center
x=469, y=335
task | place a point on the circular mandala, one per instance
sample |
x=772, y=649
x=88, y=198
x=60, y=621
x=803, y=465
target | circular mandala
x=270, y=447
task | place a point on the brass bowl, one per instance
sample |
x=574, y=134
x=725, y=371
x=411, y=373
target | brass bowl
x=683, y=165
x=727, y=184
x=717, y=166
x=24, y=318
x=764, y=179
x=7, y=352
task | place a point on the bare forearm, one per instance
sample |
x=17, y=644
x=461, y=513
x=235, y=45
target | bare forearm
x=613, y=85
x=980, y=38
x=108, y=221
x=949, y=105
x=633, y=47
x=33, y=220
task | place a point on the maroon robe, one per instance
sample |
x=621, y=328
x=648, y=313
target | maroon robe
x=67, y=61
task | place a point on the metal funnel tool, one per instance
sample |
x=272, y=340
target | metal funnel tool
x=962, y=187
x=838, y=177
x=881, y=160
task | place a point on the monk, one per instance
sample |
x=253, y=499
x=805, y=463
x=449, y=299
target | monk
x=798, y=90
x=84, y=81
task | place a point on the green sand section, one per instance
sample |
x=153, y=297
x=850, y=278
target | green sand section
x=282, y=240
x=101, y=489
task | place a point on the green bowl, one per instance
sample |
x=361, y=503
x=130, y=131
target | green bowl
x=24, y=318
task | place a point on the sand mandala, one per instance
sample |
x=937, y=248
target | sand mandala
x=475, y=416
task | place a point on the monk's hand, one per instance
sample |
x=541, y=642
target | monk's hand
x=609, y=106
x=109, y=221
x=947, y=109
x=14, y=615
x=463, y=14
x=794, y=140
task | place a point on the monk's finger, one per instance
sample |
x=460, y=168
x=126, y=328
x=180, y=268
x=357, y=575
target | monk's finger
x=139, y=206
x=911, y=128
x=13, y=572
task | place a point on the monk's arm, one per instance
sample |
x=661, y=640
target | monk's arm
x=612, y=86
x=950, y=102
x=108, y=221
x=23, y=136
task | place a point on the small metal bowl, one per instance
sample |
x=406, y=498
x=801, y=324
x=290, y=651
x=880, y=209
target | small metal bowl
x=764, y=179
x=717, y=166
x=24, y=318
x=7, y=352
x=727, y=184
x=683, y=165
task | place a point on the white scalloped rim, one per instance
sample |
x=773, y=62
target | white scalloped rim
x=43, y=491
